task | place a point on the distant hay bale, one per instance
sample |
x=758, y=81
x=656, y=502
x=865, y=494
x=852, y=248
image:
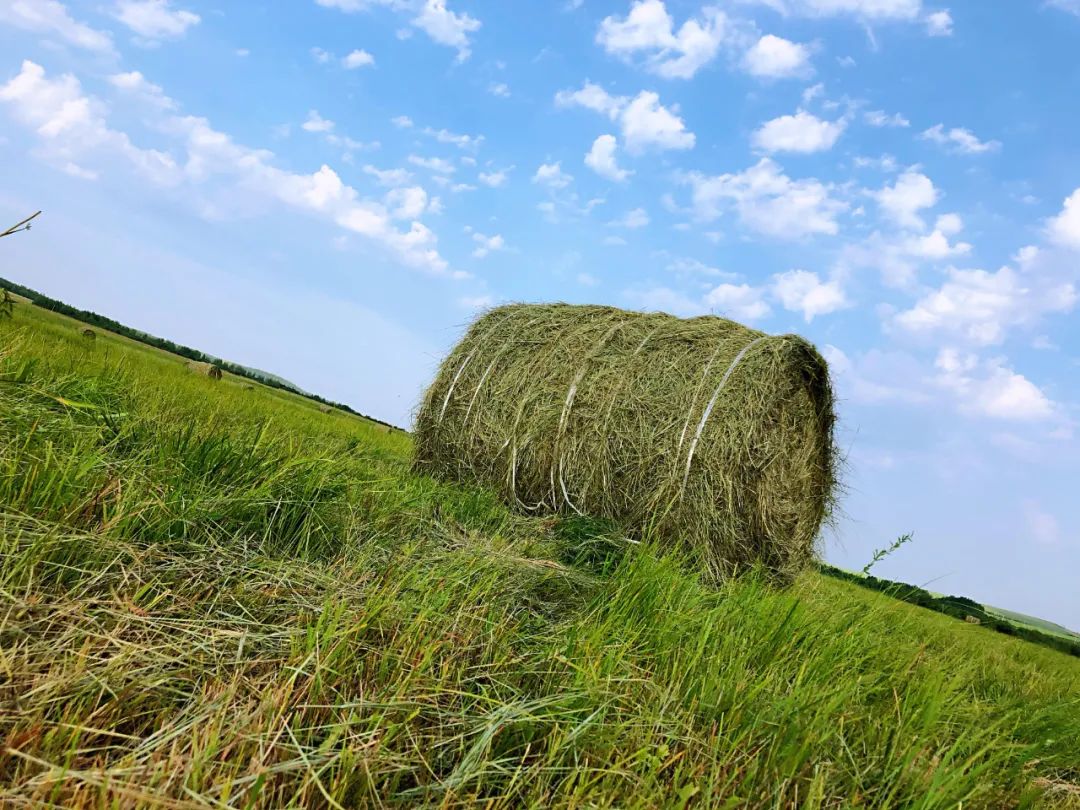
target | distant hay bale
x=698, y=432
x=88, y=333
x=972, y=620
x=248, y=387
x=205, y=369
x=325, y=408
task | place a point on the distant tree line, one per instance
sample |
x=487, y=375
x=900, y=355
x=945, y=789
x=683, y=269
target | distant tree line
x=959, y=607
x=103, y=322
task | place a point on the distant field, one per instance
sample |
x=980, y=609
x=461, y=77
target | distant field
x=212, y=594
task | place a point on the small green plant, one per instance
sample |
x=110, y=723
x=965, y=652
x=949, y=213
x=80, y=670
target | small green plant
x=882, y=553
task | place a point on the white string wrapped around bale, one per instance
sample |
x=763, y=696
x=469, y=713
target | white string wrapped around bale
x=589, y=410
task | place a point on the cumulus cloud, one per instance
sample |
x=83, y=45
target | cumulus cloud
x=645, y=123
x=637, y=218
x=903, y=200
x=487, y=244
x=552, y=176
x=389, y=177
x=1064, y=229
x=768, y=201
x=51, y=17
x=773, y=57
x=803, y=291
x=437, y=165
x=316, y=123
x=406, y=203
x=494, y=179
x=601, y=159
x=155, y=20
x=649, y=30
x=72, y=126
x=357, y=59
x=740, y=302
x=990, y=388
x=939, y=24
x=802, y=132
x=959, y=140
x=979, y=307
x=433, y=17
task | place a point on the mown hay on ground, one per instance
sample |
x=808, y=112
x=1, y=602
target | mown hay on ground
x=699, y=432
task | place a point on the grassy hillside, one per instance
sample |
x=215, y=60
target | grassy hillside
x=214, y=595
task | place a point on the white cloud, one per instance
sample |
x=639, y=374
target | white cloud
x=802, y=132
x=768, y=201
x=647, y=123
x=649, y=29
x=441, y=24
x=446, y=27
x=552, y=176
x=869, y=10
x=72, y=125
x=1064, y=229
x=437, y=165
x=357, y=59
x=494, y=179
x=741, y=302
x=592, y=97
x=637, y=218
x=959, y=140
x=979, y=307
x=774, y=57
x=939, y=24
x=879, y=118
x=499, y=89
x=601, y=159
x=910, y=194
x=134, y=83
x=460, y=141
x=154, y=20
x=406, y=203
x=644, y=121
x=802, y=291
x=389, y=177
x=51, y=17
x=487, y=244
x=884, y=163
x=402, y=121
x=316, y=123
x=990, y=388
x=321, y=55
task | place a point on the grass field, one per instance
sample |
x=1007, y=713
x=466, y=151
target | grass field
x=217, y=596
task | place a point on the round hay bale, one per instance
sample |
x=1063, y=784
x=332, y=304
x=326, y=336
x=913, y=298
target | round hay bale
x=325, y=409
x=699, y=432
x=88, y=333
x=205, y=369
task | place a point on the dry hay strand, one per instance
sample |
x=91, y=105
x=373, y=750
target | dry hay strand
x=88, y=333
x=697, y=432
x=205, y=369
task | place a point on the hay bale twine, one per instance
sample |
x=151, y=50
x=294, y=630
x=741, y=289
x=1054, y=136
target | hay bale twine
x=88, y=333
x=699, y=432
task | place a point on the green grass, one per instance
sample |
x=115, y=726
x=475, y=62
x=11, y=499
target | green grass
x=213, y=596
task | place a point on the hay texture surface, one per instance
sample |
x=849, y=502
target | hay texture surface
x=700, y=432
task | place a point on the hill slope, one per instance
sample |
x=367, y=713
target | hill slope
x=215, y=596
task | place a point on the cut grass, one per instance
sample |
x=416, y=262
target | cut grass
x=218, y=597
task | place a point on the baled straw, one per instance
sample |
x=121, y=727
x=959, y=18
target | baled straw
x=700, y=432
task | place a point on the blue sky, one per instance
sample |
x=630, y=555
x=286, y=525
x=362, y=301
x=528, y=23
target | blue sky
x=330, y=189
